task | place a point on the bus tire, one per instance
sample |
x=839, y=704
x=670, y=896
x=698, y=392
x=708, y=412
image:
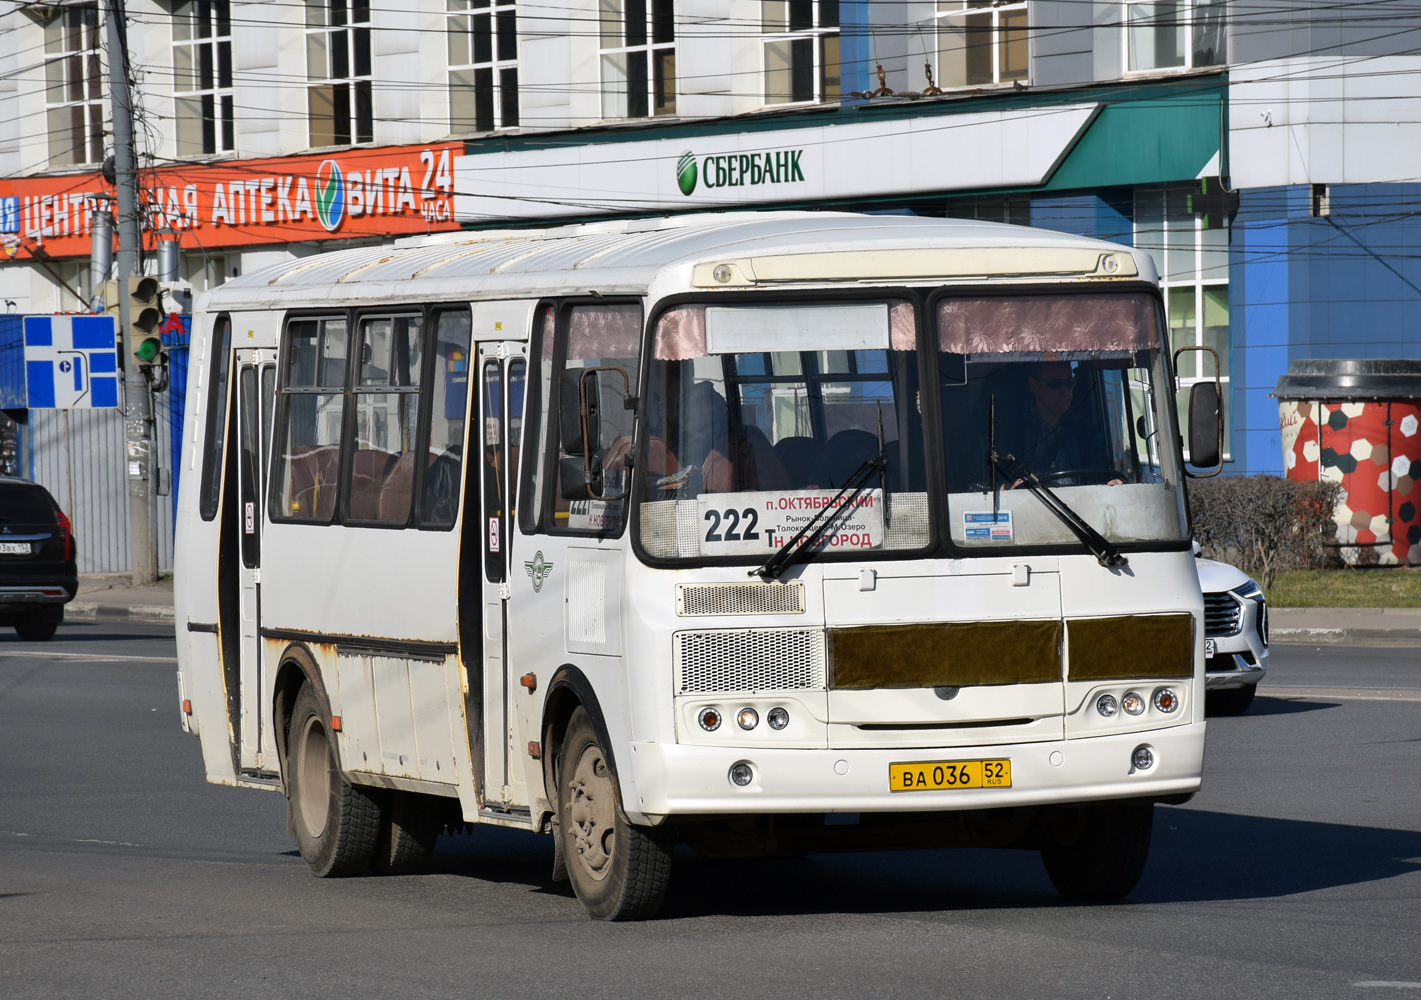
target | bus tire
x=409, y=826
x=618, y=871
x=337, y=824
x=1098, y=852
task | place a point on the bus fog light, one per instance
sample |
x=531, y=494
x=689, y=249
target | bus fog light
x=748, y=718
x=1166, y=700
x=1106, y=705
x=778, y=718
x=742, y=774
x=1143, y=758
x=1132, y=703
x=709, y=719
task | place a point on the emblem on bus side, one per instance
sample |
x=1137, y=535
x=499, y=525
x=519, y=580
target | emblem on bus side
x=539, y=569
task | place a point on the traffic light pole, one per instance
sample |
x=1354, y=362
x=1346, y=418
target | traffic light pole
x=137, y=400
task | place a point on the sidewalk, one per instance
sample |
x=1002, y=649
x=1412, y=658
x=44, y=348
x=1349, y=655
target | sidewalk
x=114, y=598
x=104, y=597
x=1346, y=626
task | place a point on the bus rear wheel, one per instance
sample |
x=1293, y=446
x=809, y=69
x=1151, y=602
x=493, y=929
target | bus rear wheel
x=1098, y=852
x=408, y=829
x=337, y=825
x=618, y=871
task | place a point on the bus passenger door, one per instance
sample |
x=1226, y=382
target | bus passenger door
x=502, y=371
x=256, y=396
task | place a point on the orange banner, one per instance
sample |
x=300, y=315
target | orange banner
x=394, y=190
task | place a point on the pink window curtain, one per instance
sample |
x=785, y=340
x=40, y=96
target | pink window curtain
x=604, y=332
x=1042, y=323
x=681, y=332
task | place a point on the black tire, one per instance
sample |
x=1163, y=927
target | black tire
x=38, y=626
x=618, y=871
x=1229, y=701
x=1098, y=852
x=337, y=824
x=409, y=827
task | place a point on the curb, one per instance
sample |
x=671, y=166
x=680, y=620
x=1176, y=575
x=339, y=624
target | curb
x=1347, y=636
x=81, y=611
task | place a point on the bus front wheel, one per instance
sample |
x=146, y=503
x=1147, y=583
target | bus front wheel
x=337, y=824
x=618, y=871
x=1097, y=852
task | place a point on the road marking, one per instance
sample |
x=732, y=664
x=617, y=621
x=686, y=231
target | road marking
x=89, y=656
x=1343, y=694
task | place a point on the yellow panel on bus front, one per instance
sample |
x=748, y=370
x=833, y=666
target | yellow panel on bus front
x=940, y=775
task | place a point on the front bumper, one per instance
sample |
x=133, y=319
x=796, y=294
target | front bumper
x=1243, y=673
x=18, y=597
x=672, y=779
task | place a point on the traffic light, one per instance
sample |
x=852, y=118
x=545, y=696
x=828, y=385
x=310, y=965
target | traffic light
x=145, y=317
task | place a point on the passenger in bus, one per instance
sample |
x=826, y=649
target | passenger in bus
x=1058, y=435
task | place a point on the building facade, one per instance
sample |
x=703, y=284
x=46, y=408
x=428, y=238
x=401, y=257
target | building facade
x=1264, y=154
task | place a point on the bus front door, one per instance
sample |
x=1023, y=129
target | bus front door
x=502, y=372
x=256, y=396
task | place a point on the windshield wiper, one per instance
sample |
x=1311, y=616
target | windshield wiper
x=1010, y=467
x=788, y=553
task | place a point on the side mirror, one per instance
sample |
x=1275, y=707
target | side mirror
x=579, y=479
x=1205, y=420
x=579, y=413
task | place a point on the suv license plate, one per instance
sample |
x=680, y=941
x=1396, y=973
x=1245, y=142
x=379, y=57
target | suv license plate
x=1209, y=649
x=938, y=775
x=14, y=548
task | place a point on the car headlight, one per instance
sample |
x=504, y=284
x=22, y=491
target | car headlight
x=1249, y=590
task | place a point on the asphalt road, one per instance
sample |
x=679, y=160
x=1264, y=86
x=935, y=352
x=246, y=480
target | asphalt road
x=1295, y=873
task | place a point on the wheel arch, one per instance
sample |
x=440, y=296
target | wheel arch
x=569, y=690
x=297, y=668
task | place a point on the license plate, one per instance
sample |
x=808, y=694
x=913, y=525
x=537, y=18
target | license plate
x=14, y=548
x=937, y=775
x=1209, y=648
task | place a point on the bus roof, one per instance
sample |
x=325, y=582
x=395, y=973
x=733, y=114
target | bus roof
x=628, y=257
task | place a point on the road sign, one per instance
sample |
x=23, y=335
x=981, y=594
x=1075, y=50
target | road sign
x=71, y=362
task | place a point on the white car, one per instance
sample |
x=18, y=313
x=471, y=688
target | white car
x=1235, y=636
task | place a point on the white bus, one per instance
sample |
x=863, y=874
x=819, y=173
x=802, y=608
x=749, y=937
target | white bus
x=769, y=533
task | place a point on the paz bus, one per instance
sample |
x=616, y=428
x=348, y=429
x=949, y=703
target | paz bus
x=766, y=533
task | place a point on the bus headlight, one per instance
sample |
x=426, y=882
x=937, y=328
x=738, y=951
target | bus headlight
x=1143, y=758
x=748, y=718
x=1106, y=705
x=778, y=718
x=709, y=719
x=1166, y=700
x=1132, y=703
x=741, y=773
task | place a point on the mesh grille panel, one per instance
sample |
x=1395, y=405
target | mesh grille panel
x=749, y=660
x=740, y=599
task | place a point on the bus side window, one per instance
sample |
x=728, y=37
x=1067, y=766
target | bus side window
x=312, y=403
x=532, y=491
x=439, y=503
x=598, y=336
x=221, y=347
x=385, y=398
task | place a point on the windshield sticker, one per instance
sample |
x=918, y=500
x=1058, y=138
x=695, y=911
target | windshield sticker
x=594, y=515
x=985, y=527
x=732, y=524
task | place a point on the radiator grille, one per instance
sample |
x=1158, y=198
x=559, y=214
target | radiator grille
x=1221, y=615
x=739, y=599
x=749, y=660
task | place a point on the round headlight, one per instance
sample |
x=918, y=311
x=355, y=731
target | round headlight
x=1143, y=758
x=741, y=774
x=778, y=718
x=1132, y=703
x=1106, y=705
x=1166, y=700
x=748, y=718
x=709, y=719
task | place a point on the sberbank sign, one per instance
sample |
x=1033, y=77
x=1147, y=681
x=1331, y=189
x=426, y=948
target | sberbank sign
x=738, y=170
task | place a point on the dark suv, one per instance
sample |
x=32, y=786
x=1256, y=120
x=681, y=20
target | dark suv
x=37, y=571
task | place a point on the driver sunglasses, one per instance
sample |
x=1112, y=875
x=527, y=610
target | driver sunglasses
x=1058, y=383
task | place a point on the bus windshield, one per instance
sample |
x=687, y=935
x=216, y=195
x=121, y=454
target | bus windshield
x=1070, y=389
x=758, y=417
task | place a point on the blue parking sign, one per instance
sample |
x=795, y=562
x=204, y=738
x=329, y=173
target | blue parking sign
x=71, y=362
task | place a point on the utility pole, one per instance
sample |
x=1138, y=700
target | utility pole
x=137, y=400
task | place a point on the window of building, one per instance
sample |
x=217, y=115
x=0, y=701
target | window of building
x=1014, y=210
x=980, y=42
x=340, y=105
x=801, y=48
x=1193, y=263
x=74, y=86
x=638, y=58
x=202, y=76
x=483, y=65
x=1175, y=34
